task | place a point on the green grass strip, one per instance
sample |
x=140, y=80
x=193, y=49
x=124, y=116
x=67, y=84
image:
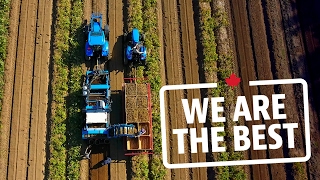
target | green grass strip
x=4, y=24
x=211, y=58
x=224, y=63
x=74, y=120
x=140, y=171
x=57, y=165
x=150, y=27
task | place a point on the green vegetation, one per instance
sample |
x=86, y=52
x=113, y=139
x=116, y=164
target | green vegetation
x=221, y=66
x=299, y=171
x=140, y=170
x=4, y=23
x=150, y=27
x=57, y=166
x=65, y=126
x=75, y=84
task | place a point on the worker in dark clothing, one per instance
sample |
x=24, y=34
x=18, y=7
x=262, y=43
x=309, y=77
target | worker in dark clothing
x=106, y=161
x=86, y=153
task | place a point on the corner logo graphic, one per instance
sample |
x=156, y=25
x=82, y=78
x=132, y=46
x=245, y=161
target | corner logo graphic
x=232, y=81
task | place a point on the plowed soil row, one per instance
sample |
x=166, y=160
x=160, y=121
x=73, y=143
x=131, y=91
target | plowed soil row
x=27, y=75
x=173, y=66
x=269, y=46
x=246, y=68
x=182, y=67
x=308, y=14
x=112, y=12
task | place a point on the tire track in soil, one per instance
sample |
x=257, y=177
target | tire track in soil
x=84, y=164
x=264, y=71
x=283, y=70
x=118, y=169
x=8, y=88
x=18, y=152
x=247, y=71
x=172, y=59
x=309, y=16
x=191, y=73
x=298, y=68
x=39, y=102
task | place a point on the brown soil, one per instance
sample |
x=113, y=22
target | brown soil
x=270, y=31
x=308, y=14
x=26, y=91
x=181, y=67
x=24, y=115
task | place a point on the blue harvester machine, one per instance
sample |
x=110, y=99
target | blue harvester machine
x=97, y=129
x=97, y=44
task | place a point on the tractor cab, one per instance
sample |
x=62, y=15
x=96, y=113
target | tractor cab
x=135, y=51
x=97, y=44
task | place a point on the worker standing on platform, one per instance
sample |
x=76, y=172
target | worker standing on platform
x=106, y=161
x=86, y=153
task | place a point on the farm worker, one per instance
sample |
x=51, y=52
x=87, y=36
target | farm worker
x=141, y=132
x=86, y=153
x=136, y=49
x=106, y=161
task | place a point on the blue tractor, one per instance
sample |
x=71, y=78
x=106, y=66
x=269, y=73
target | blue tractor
x=97, y=128
x=135, y=52
x=97, y=45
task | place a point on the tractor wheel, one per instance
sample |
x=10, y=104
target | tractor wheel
x=106, y=31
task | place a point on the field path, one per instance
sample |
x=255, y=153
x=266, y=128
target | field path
x=27, y=110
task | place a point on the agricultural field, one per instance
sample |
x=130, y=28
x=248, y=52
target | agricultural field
x=42, y=66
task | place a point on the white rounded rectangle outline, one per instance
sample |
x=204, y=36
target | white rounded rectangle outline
x=240, y=162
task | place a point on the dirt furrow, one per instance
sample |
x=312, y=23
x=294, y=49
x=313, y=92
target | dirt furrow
x=116, y=10
x=8, y=88
x=309, y=16
x=37, y=140
x=282, y=70
x=297, y=69
x=172, y=59
x=247, y=71
x=191, y=75
x=22, y=92
x=84, y=164
x=264, y=72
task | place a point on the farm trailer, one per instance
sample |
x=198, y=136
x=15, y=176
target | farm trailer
x=138, y=112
